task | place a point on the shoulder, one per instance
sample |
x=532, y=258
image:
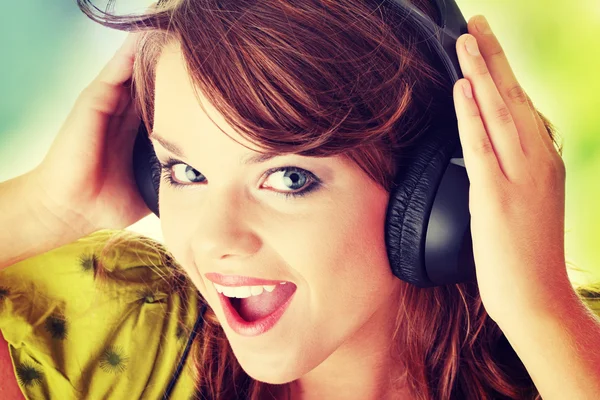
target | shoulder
x=120, y=254
x=99, y=302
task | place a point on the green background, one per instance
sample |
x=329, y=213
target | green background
x=51, y=51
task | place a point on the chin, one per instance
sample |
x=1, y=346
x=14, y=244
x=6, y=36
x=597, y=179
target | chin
x=275, y=374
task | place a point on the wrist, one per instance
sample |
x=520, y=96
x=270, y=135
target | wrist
x=32, y=224
x=545, y=300
x=58, y=217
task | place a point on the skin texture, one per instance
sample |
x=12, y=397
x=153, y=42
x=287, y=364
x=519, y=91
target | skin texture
x=334, y=336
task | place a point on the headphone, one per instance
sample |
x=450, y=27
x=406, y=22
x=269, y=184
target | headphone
x=427, y=227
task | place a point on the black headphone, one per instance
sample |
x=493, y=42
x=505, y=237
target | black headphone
x=427, y=229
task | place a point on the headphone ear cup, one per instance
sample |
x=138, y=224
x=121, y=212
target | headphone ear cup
x=146, y=169
x=410, y=203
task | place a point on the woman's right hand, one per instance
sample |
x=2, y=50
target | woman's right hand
x=87, y=178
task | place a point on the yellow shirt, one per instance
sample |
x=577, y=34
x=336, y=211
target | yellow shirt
x=86, y=321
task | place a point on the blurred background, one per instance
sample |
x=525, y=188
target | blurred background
x=51, y=51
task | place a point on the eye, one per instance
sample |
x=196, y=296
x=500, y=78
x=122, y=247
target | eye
x=288, y=181
x=184, y=173
x=299, y=180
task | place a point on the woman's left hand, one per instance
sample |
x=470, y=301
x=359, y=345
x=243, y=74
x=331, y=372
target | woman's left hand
x=517, y=184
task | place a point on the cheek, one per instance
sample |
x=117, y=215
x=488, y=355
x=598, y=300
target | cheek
x=177, y=235
x=360, y=239
x=337, y=256
x=354, y=258
x=175, y=224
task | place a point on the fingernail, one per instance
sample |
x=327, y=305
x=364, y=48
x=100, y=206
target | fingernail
x=466, y=86
x=482, y=25
x=471, y=46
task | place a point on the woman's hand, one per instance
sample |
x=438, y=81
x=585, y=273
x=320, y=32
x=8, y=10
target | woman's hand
x=87, y=176
x=517, y=178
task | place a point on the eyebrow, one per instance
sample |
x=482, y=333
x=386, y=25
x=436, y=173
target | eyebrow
x=247, y=160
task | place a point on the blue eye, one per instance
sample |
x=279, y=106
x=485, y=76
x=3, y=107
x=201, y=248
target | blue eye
x=188, y=173
x=293, y=178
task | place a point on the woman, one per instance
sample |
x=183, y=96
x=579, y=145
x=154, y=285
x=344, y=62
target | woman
x=349, y=328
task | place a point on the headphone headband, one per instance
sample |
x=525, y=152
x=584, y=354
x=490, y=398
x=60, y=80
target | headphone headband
x=439, y=37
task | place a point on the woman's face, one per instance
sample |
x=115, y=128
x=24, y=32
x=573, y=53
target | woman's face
x=231, y=220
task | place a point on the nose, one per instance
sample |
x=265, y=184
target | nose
x=224, y=227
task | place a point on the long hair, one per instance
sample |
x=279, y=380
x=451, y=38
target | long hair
x=321, y=78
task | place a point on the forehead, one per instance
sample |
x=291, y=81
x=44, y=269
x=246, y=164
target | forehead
x=173, y=86
x=177, y=110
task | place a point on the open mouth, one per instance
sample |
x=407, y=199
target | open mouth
x=236, y=304
x=258, y=307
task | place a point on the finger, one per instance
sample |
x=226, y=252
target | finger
x=511, y=91
x=118, y=120
x=108, y=93
x=543, y=132
x=120, y=66
x=126, y=97
x=119, y=69
x=125, y=133
x=478, y=151
x=495, y=114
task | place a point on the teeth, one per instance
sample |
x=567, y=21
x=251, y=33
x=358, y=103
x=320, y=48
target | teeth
x=269, y=288
x=242, y=292
x=256, y=290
